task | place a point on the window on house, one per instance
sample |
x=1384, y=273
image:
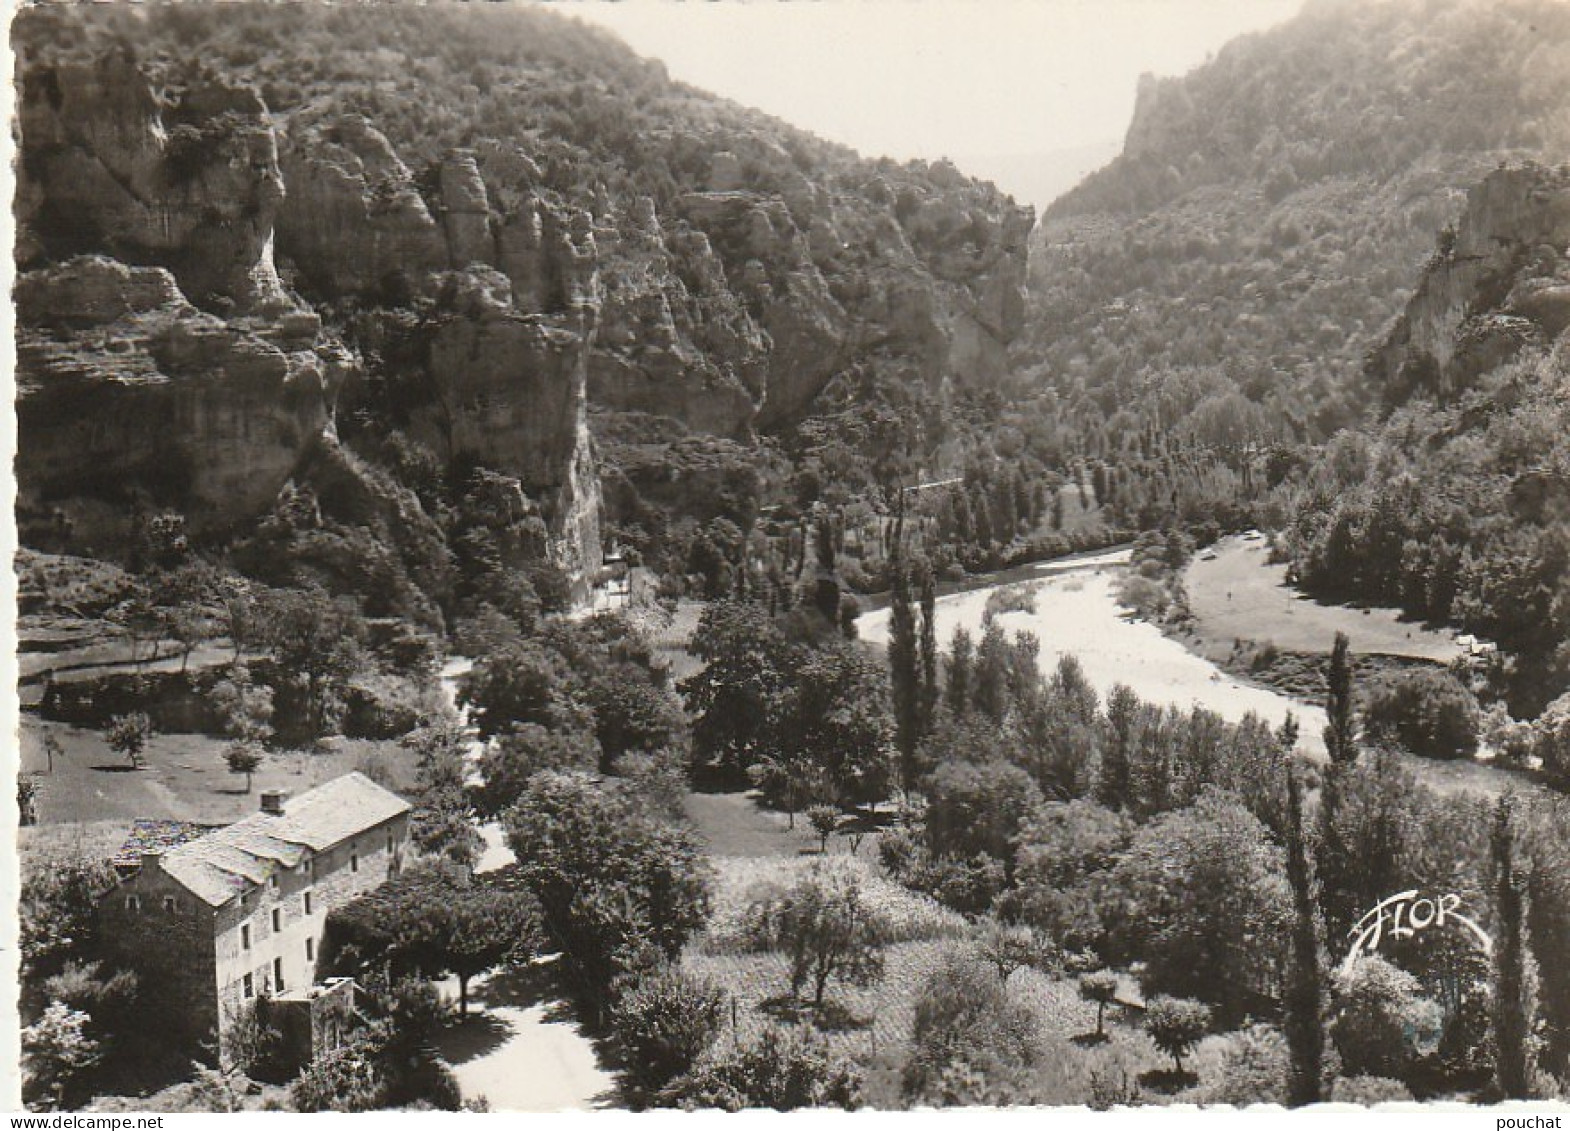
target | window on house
x=354, y=861
x=133, y=903
x=307, y=903
x=245, y=936
x=272, y=881
x=389, y=842
x=250, y=986
x=277, y=920
x=310, y=950
x=277, y=974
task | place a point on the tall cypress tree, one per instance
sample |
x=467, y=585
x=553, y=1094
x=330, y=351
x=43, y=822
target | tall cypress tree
x=1515, y=977
x=929, y=651
x=1303, y=1004
x=904, y=680
x=1340, y=733
x=962, y=653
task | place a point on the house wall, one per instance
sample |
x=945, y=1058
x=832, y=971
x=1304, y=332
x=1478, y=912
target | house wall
x=166, y=938
x=332, y=880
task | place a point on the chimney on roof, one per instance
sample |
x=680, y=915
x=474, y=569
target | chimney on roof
x=273, y=800
x=150, y=858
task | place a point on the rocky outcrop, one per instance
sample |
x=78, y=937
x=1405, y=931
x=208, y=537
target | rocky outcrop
x=181, y=375
x=1499, y=283
x=130, y=399
x=354, y=222
x=193, y=186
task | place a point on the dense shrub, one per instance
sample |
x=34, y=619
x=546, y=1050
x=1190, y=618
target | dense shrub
x=1427, y=712
x=784, y=1070
x=664, y=1021
x=969, y=1038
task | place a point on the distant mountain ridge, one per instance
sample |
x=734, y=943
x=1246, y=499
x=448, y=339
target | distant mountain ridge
x=1270, y=210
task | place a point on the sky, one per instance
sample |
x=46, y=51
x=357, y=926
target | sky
x=1031, y=94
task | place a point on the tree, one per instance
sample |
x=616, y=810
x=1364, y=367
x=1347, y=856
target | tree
x=442, y=822
x=484, y=926
x=523, y=683
x=665, y=1020
x=826, y=930
x=904, y=670
x=1008, y=947
x=1176, y=1026
x=1427, y=712
x=511, y=759
x=245, y=706
x=609, y=873
x=1063, y=877
x=834, y=713
x=746, y=661
x=1114, y=783
x=977, y=807
x=1205, y=905
x=316, y=641
x=957, y=692
x=1303, y=1002
x=1514, y=1006
x=26, y=800
x=824, y=819
x=56, y=1050
x=52, y=749
x=928, y=646
x=1101, y=988
x=431, y=920
x=1341, y=731
x=1378, y=1018
x=129, y=735
x=243, y=757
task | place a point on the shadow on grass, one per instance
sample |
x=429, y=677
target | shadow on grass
x=472, y=1037
x=115, y=768
x=1167, y=1081
x=830, y=1017
x=1090, y=1040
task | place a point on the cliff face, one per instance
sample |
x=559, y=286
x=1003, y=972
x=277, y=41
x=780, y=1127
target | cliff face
x=131, y=397
x=1499, y=284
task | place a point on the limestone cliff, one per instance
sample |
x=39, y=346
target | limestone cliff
x=1500, y=282
x=170, y=368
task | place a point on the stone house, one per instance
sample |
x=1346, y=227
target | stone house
x=213, y=924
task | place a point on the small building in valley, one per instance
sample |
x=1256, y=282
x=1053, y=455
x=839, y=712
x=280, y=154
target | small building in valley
x=212, y=924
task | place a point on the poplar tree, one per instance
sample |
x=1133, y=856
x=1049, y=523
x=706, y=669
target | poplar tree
x=1515, y=976
x=929, y=652
x=904, y=679
x=1340, y=733
x=1303, y=1003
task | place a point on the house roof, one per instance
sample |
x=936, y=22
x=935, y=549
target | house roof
x=227, y=861
x=156, y=836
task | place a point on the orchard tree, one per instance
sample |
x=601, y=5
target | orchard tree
x=1176, y=1025
x=824, y=819
x=243, y=757
x=825, y=928
x=1099, y=987
x=129, y=735
x=316, y=640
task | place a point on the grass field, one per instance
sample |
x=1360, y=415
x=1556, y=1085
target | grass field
x=92, y=790
x=1235, y=593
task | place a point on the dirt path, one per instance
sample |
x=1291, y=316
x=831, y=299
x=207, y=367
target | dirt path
x=521, y=1046
x=1235, y=593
